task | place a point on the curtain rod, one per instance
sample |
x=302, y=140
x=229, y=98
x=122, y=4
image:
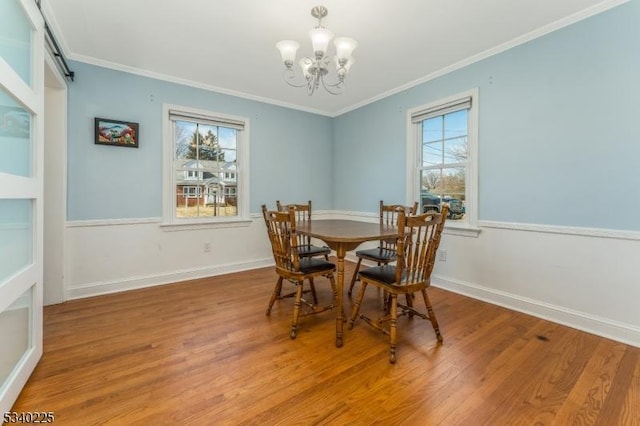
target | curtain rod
x=53, y=44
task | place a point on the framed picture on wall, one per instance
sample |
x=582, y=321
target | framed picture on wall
x=116, y=132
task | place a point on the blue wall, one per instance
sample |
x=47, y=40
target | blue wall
x=108, y=182
x=558, y=139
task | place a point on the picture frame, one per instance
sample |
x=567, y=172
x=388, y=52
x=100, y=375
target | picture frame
x=116, y=132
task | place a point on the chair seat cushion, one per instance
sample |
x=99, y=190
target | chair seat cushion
x=385, y=274
x=311, y=250
x=309, y=265
x=378, y=254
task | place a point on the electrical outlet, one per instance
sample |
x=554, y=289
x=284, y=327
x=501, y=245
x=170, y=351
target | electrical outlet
x=207, y=247
x=442, y=255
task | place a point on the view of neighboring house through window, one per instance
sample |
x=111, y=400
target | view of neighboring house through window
x=445, y=136
x=205, y=165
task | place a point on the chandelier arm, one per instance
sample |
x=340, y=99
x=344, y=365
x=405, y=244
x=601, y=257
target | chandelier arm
x=288, y=75
x=339, y=86
x=328, y=87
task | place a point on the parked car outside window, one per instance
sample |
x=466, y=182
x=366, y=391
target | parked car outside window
x=433, y=203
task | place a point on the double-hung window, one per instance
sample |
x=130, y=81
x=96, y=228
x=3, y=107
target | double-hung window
x=442, y=154
x=201, y=150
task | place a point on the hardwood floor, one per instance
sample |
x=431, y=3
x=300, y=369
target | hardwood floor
x=203, y=352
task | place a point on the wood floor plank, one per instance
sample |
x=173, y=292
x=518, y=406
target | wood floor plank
x=203, y=352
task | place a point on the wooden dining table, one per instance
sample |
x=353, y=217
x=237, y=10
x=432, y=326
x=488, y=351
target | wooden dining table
x=343, y=236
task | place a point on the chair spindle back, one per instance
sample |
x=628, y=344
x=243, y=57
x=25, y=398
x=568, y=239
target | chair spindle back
x=417, y=245
x=281, y=228
x=302, y=214
x=389, y=215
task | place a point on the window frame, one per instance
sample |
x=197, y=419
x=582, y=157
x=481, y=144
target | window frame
x=469, y=225
x=187, y=193
x=169, y=220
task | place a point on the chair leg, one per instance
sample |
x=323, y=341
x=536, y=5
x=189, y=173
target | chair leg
x=355, y=276
x=432, y=315
x=409, y=297
x=275, y=295
x=356, y=307
x=313, y=291
x=393, y=328
x=386, y=298
x=296, y=310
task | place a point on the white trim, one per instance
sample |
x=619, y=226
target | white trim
x=604, y=327
x=373, y=217
x=106, y=287
x=112, y=222
x=220, y=223
x=17, y=284
x=18, y=187
x=566, y=230
x=13, y=84
x=540, y=32
x=242, y=169
x=53, y=23
x=55, y=267
x=413, y=155
x=190, y=83
x=454, y=229
x=547, y=29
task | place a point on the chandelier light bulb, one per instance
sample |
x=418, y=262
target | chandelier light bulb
x=345, y=47
x=320, y=38
x=288, y=49
x=316, y=66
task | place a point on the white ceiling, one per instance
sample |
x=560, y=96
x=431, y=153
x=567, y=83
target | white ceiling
x=229, y=45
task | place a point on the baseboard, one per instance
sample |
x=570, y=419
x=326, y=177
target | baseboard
x=100, y=288
x=603, y=327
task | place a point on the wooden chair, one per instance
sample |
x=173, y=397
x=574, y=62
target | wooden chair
x=416, y=253
x=303, y=214
x=386, y=250
x=281, y=228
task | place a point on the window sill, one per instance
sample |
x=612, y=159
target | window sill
x=461, y=229
x=190, y=225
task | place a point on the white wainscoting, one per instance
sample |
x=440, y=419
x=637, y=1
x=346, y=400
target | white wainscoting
x=111, y=256
x=583, y=278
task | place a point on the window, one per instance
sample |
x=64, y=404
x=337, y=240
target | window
x=443, y=153
x=190, y=191
x=200, y=149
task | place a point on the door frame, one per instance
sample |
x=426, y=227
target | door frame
x=55, y=184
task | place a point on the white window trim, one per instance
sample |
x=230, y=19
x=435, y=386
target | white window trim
x=468, y=227
x=169, y=220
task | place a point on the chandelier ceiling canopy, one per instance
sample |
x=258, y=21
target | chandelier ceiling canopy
x=315, y=68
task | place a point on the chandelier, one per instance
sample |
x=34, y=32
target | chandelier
x=315, y=68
